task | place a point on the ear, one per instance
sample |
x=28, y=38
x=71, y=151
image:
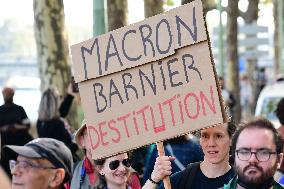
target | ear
x=58, y=178
x=99, y=169
x=102, y=173
x=280, y=159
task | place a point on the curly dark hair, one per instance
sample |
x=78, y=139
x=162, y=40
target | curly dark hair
x=260, y=123
x=231, y=128
x=280, y=111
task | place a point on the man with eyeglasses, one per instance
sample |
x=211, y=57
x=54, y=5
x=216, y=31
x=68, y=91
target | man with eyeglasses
x=257, y=148
x=43, y=163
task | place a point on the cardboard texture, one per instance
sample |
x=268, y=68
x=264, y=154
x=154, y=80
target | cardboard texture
x=159, y=97
x=146, y=41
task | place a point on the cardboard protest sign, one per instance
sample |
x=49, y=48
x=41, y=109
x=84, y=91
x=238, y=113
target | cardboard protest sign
x=149, y=40
x=167, y=89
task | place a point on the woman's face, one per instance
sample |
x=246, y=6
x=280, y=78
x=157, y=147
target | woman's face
x=116, y=170
x=215, y=143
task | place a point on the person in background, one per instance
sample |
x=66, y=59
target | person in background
x=138, y=158
x=85, y=176
x=50, y=124
x=72, y=93
x=116, y=173
x=14, y=124
x=212, y=173
x=246, y=97
x=258, y=152
x=43, y=163
x=185, y=150
x=280, y=115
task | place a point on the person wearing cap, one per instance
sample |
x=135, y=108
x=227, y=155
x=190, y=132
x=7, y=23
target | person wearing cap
x=84, y=175
x=43, y=163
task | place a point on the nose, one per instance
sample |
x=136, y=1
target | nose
x=211, y=141
x=15, y=171
x=121, y=167
x=253, y=158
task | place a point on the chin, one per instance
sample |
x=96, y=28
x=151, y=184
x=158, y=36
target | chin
x=121, y=180
x=215, y=160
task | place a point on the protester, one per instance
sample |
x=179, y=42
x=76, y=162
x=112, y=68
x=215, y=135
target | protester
x=138, y=158
x=115, y=173
x=43, y=163
x=280, y=115
x=14, y=124
x=185, y=150
x=258, y=149
x=85, y=176
x=72, y=93
x=212, y=173
x=246, y=99
x=50, y=124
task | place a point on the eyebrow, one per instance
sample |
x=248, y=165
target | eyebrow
x=258, y=149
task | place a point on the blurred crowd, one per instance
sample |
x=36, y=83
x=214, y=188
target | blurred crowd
x=248, y=155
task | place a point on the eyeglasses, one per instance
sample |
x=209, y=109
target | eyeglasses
x=113, y=165
x=261, y=154
x=23, y=165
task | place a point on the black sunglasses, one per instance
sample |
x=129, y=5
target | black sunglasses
x=113, y=165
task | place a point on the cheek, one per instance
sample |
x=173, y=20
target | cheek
x=226, y=146
x=269, y=164
x=109, y=175
x=225, y=143
x=239, y=163
x=106, y=170
x=35, y=180
x=87, y=142
x=203, y=144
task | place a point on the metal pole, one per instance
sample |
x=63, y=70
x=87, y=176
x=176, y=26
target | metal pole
x=220, y=41
x=280, y=33
x=99, y=17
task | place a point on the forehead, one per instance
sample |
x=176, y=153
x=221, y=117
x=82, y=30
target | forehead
x=217, y=129
x=34, y=160
x=256, y=138
x=117, y=157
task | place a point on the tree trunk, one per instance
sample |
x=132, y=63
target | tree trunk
x=207, y=4
x=153, y=7
x=117, y=11
x=233, y=66
x=52, y=46
x=251, y=14
x=276, y=39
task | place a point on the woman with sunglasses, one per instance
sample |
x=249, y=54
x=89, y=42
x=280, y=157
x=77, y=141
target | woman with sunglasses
x=116, y=173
